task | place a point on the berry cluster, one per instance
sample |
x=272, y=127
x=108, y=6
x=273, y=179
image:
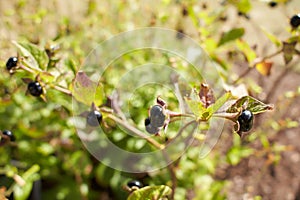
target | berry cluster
x=245, y=121
x=11, y=63
x=156, y=120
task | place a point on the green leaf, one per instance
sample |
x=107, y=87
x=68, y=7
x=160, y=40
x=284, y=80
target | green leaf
x=196, y=107
x=244, y=6
x=150, y=193
x=86, y=91
x=218, y=104
x=34, y=57
x=246, y=49
x=47, y=77
x=272, y=37
x=231, y=35
x=249, y=103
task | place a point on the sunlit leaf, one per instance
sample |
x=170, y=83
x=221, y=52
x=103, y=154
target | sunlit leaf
x=272, y=37
x=249, y=103
x=34, y=56
x=231, y=35
x=196, y=107
x=246, y=49
x=264, y=67
x=87, y=91
x=218, y=104
x=150, y=193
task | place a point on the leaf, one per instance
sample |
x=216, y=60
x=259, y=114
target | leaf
x=86, y=91
x=272, y=37
x=244, y=6
x=246, y=49
x=196, y=107
x=34, y=57
x=249, y=103
x=218, y=104
x=264, y=67
x=46, y=77
x=231, y=35
x=150, y=193
x=288, y=51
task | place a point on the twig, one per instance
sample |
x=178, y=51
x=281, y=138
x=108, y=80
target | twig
x=63, y=90
x=134, y=130
x=255, y=63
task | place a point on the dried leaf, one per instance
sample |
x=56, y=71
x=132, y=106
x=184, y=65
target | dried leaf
x=264, y=67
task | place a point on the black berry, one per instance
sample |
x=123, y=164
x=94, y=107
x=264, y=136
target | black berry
x=272, y=4
x=35, y=88
x=157, y=116
x=135, y=183
x=94, y=118
x=147, y=121
x=245, y=120
x=9, y=134
x=11, y=63
x=295, y=21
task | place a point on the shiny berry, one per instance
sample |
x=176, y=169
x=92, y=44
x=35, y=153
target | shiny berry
x=157, y=116
x=295, y=21
x=272, y=4
x=9, y=134
x=135, y=183
x=94, y=118
x=245, y=120
x=11, y=63
x=35, y=88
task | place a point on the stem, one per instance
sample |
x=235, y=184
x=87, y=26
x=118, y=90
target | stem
x=255, y=63
x=134, y=130
x=63, y=90
x=172, y=171
x=27, y=69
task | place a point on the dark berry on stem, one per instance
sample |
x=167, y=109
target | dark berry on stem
x=9, y=134
x=94, y=118
x=157, y=116
x=11, y=63
x=295, y=21
x=272, y=4
x=35, y=88
x=147, y=121
x=245, y=120
x=135, y=183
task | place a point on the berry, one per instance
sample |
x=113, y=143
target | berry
x=135, y=183
x=272, y=4
x=11, y=63
x=9, y=134
x=245, y=120
x=152, y=129
x=147, y=121
x=35, y=88
x=94, y=118
x=295, y=21
x=157, y=116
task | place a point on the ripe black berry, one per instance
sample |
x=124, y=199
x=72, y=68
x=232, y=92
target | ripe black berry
x=295, y=21
x=9, y=134
x=245, y=120
x=272, y=4
x=94, y=118
x=147, y=121
x=35, y=88
x=11, y=63
x=157, y=116
x=135, y=183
